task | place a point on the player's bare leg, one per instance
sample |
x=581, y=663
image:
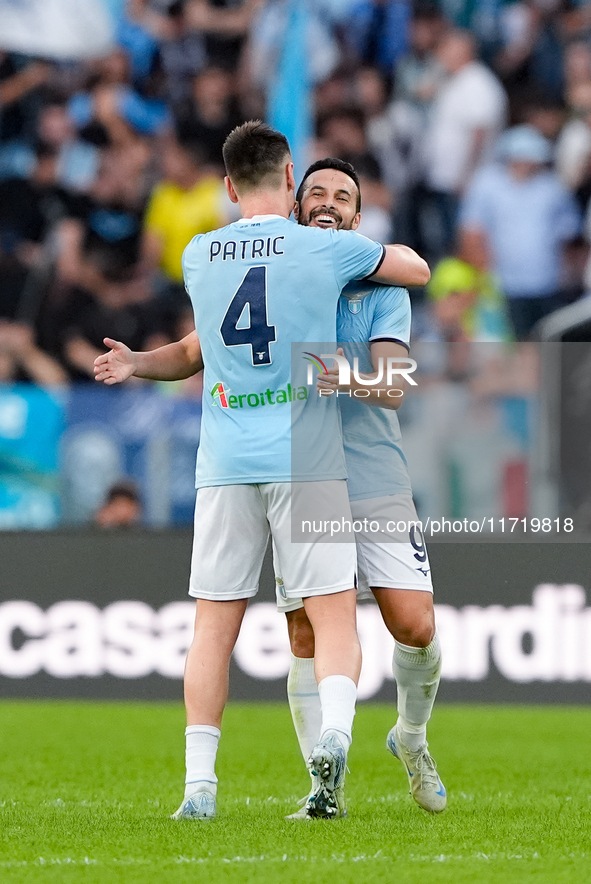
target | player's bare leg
x=217, y=625
x=416, y=666
x=337, y=666
x=301, y=634
x=408, y=615
x=334, y=622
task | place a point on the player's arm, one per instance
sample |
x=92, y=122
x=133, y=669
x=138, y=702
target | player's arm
x=401, y=265
x=173, y=362
x=357, y=257
x=382, y=394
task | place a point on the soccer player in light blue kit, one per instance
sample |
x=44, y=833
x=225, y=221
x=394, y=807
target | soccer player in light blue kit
x=257, y=286
x=372, y=322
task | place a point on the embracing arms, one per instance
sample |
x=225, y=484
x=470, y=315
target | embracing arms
x=402, y=266
x=382, y=394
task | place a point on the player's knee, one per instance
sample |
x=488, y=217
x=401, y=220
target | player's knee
x=418, y=634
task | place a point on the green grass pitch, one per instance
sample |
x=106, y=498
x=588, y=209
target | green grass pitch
x=86, y=790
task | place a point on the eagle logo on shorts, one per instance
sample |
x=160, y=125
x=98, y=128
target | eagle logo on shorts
x=281, y=588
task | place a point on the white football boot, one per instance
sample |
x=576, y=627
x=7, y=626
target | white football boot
x=199, y=805
x=302, y=813
x=425, y=784
x=327, y=764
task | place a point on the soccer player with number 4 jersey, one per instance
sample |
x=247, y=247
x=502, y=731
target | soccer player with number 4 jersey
x=258, y=286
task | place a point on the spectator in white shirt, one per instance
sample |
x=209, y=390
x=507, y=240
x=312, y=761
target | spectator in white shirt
x=468, y=114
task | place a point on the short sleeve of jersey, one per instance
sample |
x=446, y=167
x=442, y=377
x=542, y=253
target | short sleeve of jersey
x=189, y=261
x=392, y=316
x=355, y=256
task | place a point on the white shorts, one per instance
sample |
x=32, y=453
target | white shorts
x=232, y=528
x=391, y=551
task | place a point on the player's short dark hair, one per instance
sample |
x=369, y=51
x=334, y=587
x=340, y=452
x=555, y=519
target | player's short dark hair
x=255, y=154
x=330, y=163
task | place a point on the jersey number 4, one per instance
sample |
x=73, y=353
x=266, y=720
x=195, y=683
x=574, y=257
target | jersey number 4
x=258, y=333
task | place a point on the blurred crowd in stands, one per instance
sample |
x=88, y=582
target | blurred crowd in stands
x=469, y=124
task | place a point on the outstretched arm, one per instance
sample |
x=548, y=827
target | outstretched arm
x=402, y=266
x=173, y=362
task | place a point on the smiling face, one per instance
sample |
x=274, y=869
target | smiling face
x=329, y=200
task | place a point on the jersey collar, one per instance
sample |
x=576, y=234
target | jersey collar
x=260, y=218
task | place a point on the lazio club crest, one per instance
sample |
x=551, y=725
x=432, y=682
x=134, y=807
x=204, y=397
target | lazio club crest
x=354, y=305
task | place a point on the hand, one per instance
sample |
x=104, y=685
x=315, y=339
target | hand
x=115, y=366
x=330, y=380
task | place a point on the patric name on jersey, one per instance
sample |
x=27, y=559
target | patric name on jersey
x=245, y=249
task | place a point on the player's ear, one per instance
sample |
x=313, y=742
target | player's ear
x=296, y=211
x=356, y=221
x=291, y=185
x=230, y=188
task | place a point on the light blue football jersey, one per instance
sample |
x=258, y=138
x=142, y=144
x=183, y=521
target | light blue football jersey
x=375, y=461
x=259, y=286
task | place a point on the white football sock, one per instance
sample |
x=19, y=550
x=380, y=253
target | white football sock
x=417, y=672
x=304, y=703
x=338, y=695
x=201, y=749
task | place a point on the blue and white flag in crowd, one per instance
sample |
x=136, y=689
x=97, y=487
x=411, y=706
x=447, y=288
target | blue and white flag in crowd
x=59, y=29
x=290, y=100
